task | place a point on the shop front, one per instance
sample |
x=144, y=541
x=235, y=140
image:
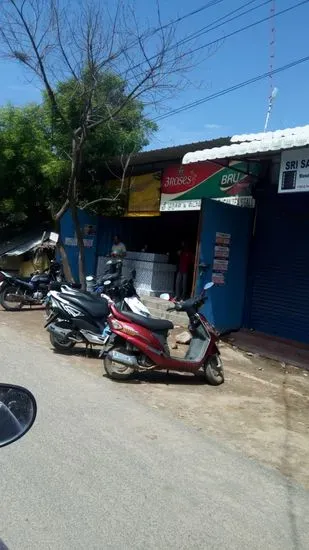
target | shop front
x=164, y=214
x=259, y=258
x=278, y=290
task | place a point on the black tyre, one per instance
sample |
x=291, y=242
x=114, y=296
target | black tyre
x=214, y=372
x=48, y=310
x=61, y=344
x=117, y=371
x=11, y=298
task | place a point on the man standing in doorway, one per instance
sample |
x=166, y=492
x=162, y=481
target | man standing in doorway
x=186, y=259
x=118, y=248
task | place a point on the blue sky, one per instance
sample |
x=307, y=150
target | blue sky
x=236, y=59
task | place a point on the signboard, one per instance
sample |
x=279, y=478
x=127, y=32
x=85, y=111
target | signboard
x=221, y=258
x=144, y=195
x=193, y=182
x=294, y=171
x=223, y=238
x=220, y=265
x=222, y=251
x=218, y=278
x=72, y=241
x=176, y=206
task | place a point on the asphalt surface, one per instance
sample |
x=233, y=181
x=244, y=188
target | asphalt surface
x=100, y=470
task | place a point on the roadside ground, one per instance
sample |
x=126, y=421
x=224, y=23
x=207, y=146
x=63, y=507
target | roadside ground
x=262, y=410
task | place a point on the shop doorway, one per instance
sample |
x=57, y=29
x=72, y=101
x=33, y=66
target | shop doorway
x=156, y=235
x=165, y=235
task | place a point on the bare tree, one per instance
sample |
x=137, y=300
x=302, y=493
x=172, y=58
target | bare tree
x=57, y=40
x=120, y=175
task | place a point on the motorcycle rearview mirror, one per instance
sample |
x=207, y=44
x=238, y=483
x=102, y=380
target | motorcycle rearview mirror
x=208, y=286
x=17, y=413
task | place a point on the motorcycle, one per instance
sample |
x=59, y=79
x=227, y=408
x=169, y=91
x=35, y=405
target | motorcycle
x=112, y=274
x=139, y=344
x=111, y=287
x=76, y=317
x=67, y=327
x=17, y=292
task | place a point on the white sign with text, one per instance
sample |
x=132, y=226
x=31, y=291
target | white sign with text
x=294, y=171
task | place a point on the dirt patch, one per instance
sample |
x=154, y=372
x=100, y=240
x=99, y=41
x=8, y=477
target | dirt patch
x=262, y=409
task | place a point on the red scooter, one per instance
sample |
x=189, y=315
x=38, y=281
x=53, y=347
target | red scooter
x=139, y=344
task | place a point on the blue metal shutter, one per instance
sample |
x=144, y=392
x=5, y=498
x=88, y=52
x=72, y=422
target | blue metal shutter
x=280, y=267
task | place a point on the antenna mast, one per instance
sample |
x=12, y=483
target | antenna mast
x=273, y=90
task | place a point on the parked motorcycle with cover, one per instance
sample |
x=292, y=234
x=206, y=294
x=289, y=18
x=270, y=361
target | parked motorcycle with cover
x=17, y=292
x=80, y=317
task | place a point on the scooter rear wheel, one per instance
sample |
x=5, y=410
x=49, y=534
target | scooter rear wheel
x=214, y=372
x=117, y=371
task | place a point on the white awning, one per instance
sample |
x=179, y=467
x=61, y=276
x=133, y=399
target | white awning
x=252, y=144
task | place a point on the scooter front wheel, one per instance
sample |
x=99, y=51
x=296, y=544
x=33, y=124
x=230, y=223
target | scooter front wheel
x=61, y=344
x=214, y=371
x=117, y=371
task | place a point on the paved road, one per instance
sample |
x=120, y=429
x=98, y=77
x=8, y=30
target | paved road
x=101, y=471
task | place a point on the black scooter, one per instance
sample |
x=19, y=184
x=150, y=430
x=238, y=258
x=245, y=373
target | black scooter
x=76, y=317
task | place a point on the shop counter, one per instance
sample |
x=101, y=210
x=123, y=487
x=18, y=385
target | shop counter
x=154, y=275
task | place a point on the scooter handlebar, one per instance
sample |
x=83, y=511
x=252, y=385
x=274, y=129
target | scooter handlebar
x=171, y=309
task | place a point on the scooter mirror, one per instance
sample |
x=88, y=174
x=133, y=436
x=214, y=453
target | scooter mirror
x=208, y=286
x=165, y=296
x=17, y=412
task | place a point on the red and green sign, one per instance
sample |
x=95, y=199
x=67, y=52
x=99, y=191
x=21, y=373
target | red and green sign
x=183, y=186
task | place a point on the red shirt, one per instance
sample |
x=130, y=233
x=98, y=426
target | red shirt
x=185, y=261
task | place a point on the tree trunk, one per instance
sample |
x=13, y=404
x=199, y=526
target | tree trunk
x=62, y=251
x=80, y=244
x=65, y=262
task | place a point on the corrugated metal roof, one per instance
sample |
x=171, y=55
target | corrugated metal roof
x=252, y=144
x=21, y=244
x=29, y=245
x=170, y=154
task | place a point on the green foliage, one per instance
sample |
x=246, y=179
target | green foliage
x=125, y=134
x=24, y=150
x=35, y=149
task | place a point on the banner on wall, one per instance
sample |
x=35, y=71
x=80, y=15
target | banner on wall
x=184, y=186
x=294, y=171
x=144, y=195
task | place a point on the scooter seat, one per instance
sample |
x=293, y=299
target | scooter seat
x=148, y=322
x=96, y=308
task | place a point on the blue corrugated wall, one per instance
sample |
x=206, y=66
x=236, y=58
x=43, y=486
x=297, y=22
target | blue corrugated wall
x=225, y=305
x=278, y=290
x=67, y=230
